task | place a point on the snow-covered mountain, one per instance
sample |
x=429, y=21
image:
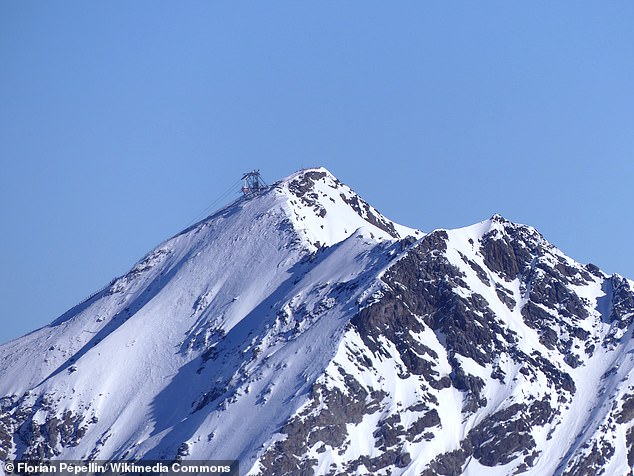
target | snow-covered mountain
x=302, y=332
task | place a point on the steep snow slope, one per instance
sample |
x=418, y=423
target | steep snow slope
x=210, y=325
x=486, y=351
x=302, y=332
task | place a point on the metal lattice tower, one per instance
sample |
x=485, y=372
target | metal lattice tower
x=252, y=183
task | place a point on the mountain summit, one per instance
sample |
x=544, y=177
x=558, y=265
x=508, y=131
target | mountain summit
x=302, y=332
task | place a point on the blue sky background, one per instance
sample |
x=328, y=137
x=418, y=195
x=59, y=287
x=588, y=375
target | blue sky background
x=121, y=121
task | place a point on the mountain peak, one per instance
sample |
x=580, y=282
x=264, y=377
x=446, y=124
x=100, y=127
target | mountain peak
x=497, y=227
x=309, y=171
x=326, y=211
x=497, y=218
x=480, y=350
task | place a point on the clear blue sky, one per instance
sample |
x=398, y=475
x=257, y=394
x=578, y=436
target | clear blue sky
x=120, y=121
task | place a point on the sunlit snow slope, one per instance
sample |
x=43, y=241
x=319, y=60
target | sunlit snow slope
x=302, y=332
x=236, y=316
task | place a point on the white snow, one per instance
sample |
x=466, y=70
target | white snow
x=217, y=336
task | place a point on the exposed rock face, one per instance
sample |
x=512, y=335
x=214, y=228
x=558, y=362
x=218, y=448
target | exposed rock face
x=303, y=333
x=503, y=321
x=36, y=429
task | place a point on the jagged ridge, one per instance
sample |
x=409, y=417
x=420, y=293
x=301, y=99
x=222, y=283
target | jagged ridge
x=482, y=350
x=355, y=345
